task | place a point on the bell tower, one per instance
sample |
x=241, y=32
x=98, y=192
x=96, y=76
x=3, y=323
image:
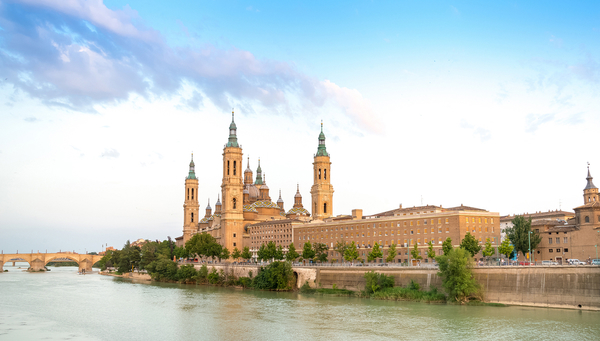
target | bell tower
x=232, y=188
x=321, y=190
x=191, y=206
x=590, y=192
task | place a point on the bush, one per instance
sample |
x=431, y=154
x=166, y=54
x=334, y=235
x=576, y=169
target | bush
x=245, y=282
x=400, y=293
x=186, y=273
x=275, y=276
x=162, y=269
x=203, y=273
x=414, y=285
x=306, y=289
x=213, y=277
x=455, y=270
x=376, y=281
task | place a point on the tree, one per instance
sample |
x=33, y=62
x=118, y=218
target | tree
x=519, y=235
x=375, y=253
x=201, y=244
x=320, y=252
x=261, y=254
x=236, y=254
x=455, y=271
x=278, y=253
x=341, y=247
x=489, y=250
x=291, y=255
x=271, y=250
x=506, y=248
x=224, y=254
x=351, y=253
x=430, y=252
x=447, y=246
x=275, y=276
x=470, y=244
x=246, y=253
x=307, y=251
x=179, y=252
x=214, y=250
x=415, y=253
x=391, y=253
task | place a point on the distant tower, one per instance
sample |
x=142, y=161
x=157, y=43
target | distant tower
x=208, y=210
x=259, y=178
x=248, y=174
x=298, y=197
x=264, y=190
x=218, y=205
x=280, y=201
x=190, y=204
x=232, y=187
x=322, y=191
x=590, y=192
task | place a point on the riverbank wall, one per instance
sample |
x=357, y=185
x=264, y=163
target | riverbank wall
x=129, y=275
x=542, y=286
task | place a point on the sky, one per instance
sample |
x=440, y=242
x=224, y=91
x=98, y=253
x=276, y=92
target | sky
x=488, y=104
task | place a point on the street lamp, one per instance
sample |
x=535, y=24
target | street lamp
x=529, y=235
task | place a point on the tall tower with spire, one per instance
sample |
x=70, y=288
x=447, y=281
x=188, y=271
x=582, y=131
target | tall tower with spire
x=232, y=188
x=191, y=206
x=322, y=190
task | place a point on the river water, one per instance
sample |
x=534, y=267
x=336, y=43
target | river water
x=62, y=305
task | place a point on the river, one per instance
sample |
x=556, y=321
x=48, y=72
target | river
x=62, y=305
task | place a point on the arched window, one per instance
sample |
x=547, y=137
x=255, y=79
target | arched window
x=192, y=194
x=188, y=194
x=325, y=173
x=192, y=217
x=227, y=167
x=325, y=208
x=234, y=203
x=234, y=167
x=319, y=173
x=587, y=219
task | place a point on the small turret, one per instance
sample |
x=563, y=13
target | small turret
x=259, y=178
x=298, y=197
x=280, y=201
x=248, y=174
x=321, y=150
x=264, y=190
x=232, y=142
x=218, y=205
x=590, y=192
x=208, y=210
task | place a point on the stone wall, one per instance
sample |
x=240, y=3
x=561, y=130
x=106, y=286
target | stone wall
x=551, y=286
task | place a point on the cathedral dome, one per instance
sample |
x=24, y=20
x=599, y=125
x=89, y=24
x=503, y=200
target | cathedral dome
x=253, y=191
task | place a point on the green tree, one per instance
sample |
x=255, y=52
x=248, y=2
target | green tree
x=291, y=255
x=415, y=253
x=447, y=246
x=375, y=253
x=489, y=250
x=261, y=254
x=519, y=235
x=203, y=245
x=271, y=250
x=391, y=253
x=506, y=248
x=180, y=252
x=470, y=244
x=430, y=252
x=375, y=281
x=246, y=253
x=236, y=254
x=224, y=254
x=455, y=271
x=341, y=247
x=320, y=252
x=214, y=250
x=275, y=276
x=278, y=253
x=307, y=251
x=351, y=253
x=163, y=269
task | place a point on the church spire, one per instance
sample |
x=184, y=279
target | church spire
x=259, y=178
x=589, y=178
x=232, y=142
x=192, y=173
x=322, y=151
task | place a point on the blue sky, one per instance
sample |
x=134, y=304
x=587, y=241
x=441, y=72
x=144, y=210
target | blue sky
x=488, y=104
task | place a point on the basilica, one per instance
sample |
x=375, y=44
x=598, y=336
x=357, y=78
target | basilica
x=246, y=199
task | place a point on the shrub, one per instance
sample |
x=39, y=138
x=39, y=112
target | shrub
x=376, y=281
x=213, y=277
x=455, y=270
x=162, y=269
x=275, y=276
x=414, y=285
x=186, y=273
x=203, y=273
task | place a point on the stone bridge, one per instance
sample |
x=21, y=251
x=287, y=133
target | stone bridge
x=37, y=261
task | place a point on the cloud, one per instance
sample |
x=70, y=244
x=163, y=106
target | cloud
x=31, y=119
x=480, y=132
x=77, y=54
x=533, y=122
x=110, y=153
